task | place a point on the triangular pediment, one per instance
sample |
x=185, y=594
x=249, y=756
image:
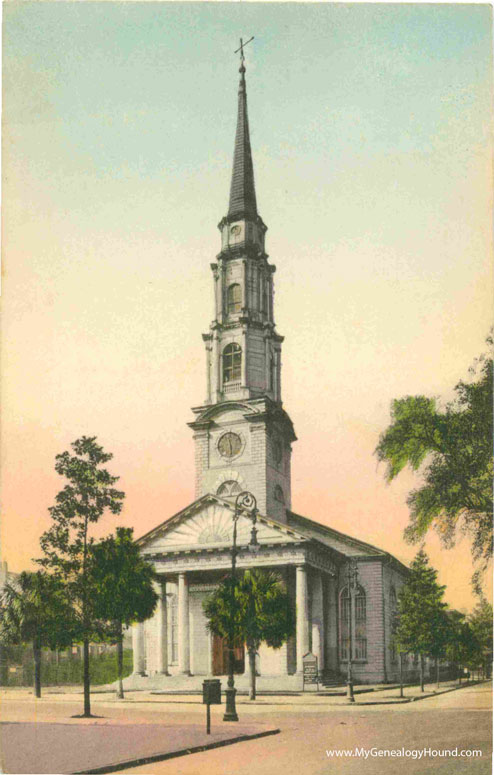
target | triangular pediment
x=207, y=523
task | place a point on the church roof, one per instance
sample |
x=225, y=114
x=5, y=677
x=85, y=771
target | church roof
x=207, y=520
x=330, y=537
x=242, y=190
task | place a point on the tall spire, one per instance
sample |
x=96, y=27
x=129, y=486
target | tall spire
x=242, y=190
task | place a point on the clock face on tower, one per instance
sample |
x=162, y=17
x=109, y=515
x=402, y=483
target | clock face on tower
x=229, y=444
x=235, y=230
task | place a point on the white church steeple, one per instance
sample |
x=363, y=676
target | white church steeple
x=248, y=443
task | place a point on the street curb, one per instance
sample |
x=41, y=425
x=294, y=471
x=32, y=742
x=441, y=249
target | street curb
x=160, y=757
x=403, y=700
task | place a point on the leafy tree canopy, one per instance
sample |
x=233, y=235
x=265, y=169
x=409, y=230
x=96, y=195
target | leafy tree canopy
x=451, y=448
x=262, y=613
x=66, y=544
x=421, y=610
x=122, y=581
x=34, y=609
x=463, y=647
x=481, y=624
x=81, y=502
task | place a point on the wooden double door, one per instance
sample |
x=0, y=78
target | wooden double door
x=220, y=657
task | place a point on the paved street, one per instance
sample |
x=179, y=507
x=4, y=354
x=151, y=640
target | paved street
x=310, y=726
x=460, y=719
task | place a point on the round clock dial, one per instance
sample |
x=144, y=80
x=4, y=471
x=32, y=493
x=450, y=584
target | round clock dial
x=235, y=230
x=230, y=444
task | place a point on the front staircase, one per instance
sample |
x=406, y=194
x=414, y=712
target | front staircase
x=192, y=684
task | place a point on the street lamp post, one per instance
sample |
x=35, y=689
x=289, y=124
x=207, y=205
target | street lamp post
x=352, y=575
x=245, y=503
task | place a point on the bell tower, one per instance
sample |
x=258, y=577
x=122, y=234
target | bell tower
x=242, y=434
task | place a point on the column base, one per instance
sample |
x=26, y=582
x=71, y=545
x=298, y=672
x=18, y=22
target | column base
x=230, y=710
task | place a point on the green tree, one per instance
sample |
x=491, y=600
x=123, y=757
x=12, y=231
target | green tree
x=451, y=448
x=481, y=624
x=463, y=648
x=66, y=544
x=420, y=611
x=441, y=637
x=123, y=587
x=33, y=609
x=263, y=614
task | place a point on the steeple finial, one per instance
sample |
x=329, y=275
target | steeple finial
x=242, y=191
x=242, y=58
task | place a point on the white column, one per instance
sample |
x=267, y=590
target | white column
x=302, y=615
x=267, y=364
x=277, y=374
x=245, y=295
x=183, y=625
x=210, y=653
x=244, y=357
x=215, y=368
x=162, y=633
x=214, y=267
x=318, y=620
x=138, y=648
x=270, y=297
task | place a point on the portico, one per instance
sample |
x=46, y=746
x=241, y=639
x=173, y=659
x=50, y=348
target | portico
x=176, y=640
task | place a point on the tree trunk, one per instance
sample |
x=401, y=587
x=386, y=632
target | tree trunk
x=120, y=693
x=401, y=674
x=87, y=698
x=437, y=673
x=421, y=673
x=37, y=669
x=252, y=671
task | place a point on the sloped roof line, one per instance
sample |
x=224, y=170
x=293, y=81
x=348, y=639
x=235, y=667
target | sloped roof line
x=337, y=534
x=210, y=498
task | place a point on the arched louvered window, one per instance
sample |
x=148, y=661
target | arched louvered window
x=228, y=489
x=234, y=299
x=232, y=363
x=278, y=494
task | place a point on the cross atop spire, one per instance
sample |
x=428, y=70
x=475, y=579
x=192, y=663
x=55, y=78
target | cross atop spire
x=241, y=49
x=242, y=190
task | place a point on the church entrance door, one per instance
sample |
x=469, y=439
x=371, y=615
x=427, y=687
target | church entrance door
x=220, y=657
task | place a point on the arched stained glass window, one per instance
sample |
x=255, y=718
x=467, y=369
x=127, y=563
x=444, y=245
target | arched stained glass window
x=358, y=609
x=234, y=299
x=232, y=363
x=360, y=624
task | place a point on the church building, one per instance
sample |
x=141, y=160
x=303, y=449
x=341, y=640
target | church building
x=243, y=439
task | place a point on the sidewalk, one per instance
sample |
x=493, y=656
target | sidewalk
x=98, y=748
x=364, y=695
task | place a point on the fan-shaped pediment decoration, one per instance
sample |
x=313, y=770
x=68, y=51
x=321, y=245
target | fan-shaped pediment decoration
x=213, y=525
